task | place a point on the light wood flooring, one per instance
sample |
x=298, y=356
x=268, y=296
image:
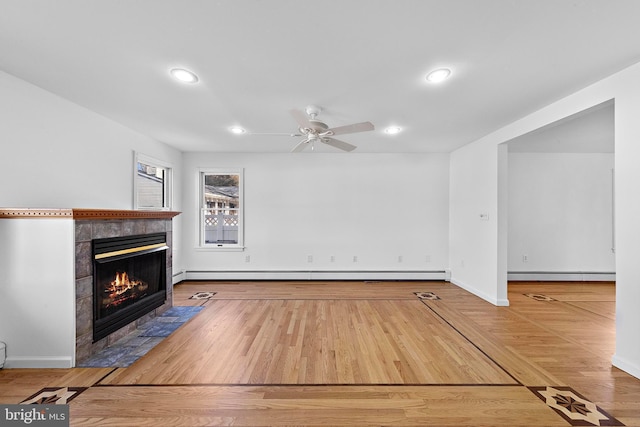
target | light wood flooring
x=362, y=354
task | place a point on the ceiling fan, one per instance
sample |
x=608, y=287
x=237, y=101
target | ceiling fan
x=313, y=130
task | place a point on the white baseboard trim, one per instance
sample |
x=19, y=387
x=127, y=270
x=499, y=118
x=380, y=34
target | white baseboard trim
x=478, y=293
x=314, y=275
x=178, y=277
x=561, y=276
x=16, y=362
x=629, y=367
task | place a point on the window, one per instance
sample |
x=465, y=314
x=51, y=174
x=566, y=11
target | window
x=221, y=209
x=151, y=184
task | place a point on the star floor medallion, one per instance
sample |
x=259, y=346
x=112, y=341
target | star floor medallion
x=54, y=396
x=539, y=297
x=202, y=295
x=573, y=407
x=427, y=295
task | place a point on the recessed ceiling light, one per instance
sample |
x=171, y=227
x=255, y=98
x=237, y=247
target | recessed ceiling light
x=392, y=130
x=439, y=75
x=185, y=76
x=237, y=130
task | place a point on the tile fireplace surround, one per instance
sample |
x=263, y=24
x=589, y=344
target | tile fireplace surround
x=91, y=224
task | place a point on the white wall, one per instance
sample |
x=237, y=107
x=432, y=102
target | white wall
x=627, y=130
x=560, y=212
x=373, y=206
x=37, y=292
x=473, y=219
x=477, y=180
x=56, y=154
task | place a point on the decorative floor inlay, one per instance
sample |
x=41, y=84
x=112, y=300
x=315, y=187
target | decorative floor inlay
x=54, y=396
x=202, y=295
x=539, y=297
x=127, y=350
x=573, y=407
x=427, y=295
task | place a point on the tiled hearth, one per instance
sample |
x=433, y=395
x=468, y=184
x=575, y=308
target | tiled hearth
x=133, y=346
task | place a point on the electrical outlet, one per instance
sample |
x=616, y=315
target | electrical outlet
x=525, y=258
x=332, y=258
x=309, y=258
x=427, y=258
x=247, y=258
x=355, y=258
x=399, y=258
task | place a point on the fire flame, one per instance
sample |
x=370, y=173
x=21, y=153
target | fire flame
x=123, y=288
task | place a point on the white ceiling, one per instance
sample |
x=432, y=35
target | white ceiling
x=589, y=131
x=361, y=60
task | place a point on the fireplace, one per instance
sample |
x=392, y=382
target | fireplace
x=129, y=280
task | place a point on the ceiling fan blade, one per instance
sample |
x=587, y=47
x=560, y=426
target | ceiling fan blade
x=345, y=146
x=301, y=146
x=356, y=127
x=301, y=118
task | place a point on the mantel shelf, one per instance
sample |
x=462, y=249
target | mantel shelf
x=84, y=214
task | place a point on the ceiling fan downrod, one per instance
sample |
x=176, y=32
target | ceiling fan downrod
x=313, y=111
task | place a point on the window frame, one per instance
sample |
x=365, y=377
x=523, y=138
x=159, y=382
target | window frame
x=201, y=208
x=167, y=189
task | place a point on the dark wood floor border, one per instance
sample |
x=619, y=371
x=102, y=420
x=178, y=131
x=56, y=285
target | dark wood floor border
x=311, y=299
x=309, y=385
x=105, y=377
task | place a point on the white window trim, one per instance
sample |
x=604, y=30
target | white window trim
x=224, y=247
x=168, y=184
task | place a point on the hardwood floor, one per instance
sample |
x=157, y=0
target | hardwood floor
x=315, y=342
x=363, y=353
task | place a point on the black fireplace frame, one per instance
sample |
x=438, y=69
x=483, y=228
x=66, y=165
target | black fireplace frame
x=119, y=248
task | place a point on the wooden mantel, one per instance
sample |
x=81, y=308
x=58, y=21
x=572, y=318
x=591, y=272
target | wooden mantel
x=80, y=214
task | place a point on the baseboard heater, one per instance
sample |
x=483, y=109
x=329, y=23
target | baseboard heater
x=561, y=276
x=312, y=275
